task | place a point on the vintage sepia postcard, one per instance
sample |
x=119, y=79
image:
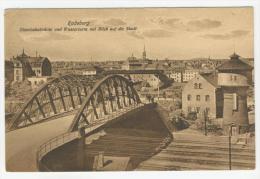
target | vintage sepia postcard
x=129, y=89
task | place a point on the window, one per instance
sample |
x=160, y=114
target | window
x=200, y=86
x=207, y=110
x=207, y=98
x=235, y=102
x=195, y=86
x=198, y=97
x=189, y=97
x=233, y=77
x=17, y=72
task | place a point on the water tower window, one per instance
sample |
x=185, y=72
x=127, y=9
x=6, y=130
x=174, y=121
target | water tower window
x=235, y=78
x=200, y=86
x=189, y=97
x=235, y=102
x=207, y=98
x=195, y=86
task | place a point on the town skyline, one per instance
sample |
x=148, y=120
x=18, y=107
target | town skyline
x=36, y=53
x=175, y=33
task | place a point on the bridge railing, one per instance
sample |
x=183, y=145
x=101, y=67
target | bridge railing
x=55, y=143
x=64, y=138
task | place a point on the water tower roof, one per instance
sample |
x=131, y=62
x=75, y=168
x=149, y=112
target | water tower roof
x=235, y=63
x=234, y=56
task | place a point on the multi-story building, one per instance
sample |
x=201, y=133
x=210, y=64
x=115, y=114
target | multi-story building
x=9, y=70
x=200, y=94
x=91, y=70
x=22, y=67
x=41, y=66
x=189, y=74
x=175, y=73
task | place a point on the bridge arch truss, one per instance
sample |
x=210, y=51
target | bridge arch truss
x=60, y=95
x=108, y=96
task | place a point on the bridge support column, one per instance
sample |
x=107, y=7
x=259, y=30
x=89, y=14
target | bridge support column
x=81, y=150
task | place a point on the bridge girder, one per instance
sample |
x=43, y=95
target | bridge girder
x=60, y=95
x=109, y=95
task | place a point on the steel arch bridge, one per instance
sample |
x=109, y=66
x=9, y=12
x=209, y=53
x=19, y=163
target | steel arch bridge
x=112, y=94
x=58, y=96
x=93, y=97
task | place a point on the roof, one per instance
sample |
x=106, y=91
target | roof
x=133, y=71
x=212, y=78
x=92, y=68
x=9, y=63
x=235, y=63
x=27, y=69
x=36, y=61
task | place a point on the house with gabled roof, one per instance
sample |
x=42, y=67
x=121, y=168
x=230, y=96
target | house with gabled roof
x=200, y=94
x=24, y=66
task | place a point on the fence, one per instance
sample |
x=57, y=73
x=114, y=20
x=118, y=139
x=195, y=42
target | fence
x=64, y=138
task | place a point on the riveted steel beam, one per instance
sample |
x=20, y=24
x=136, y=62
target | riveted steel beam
x=115, y=85
x=40, y=107
x=123, y=92
x=51, y=101
x=62, y=99
x=103, y=101
x=71, y=98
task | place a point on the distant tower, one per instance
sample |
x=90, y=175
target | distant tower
x=234, y=81
x=144, y=54
x=23, y=54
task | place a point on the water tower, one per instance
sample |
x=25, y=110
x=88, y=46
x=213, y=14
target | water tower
x=234, y=77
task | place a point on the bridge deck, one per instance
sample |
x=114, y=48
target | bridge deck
x=22, y=144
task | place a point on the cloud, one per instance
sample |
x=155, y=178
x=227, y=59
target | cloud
x=227, y=36
x=172, y=22
x=168, y=22
x=135, y=35
x=203, y=24
x=115, y=22
x=157, y=33
x=186, y=25
x=51, y=36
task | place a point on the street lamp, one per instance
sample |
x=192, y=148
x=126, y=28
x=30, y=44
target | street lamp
x=205, y=122
x=229, y=145
x=158, y=88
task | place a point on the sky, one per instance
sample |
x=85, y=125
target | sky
x=174, y=33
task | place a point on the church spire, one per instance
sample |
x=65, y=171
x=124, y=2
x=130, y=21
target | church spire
x=144, y=53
